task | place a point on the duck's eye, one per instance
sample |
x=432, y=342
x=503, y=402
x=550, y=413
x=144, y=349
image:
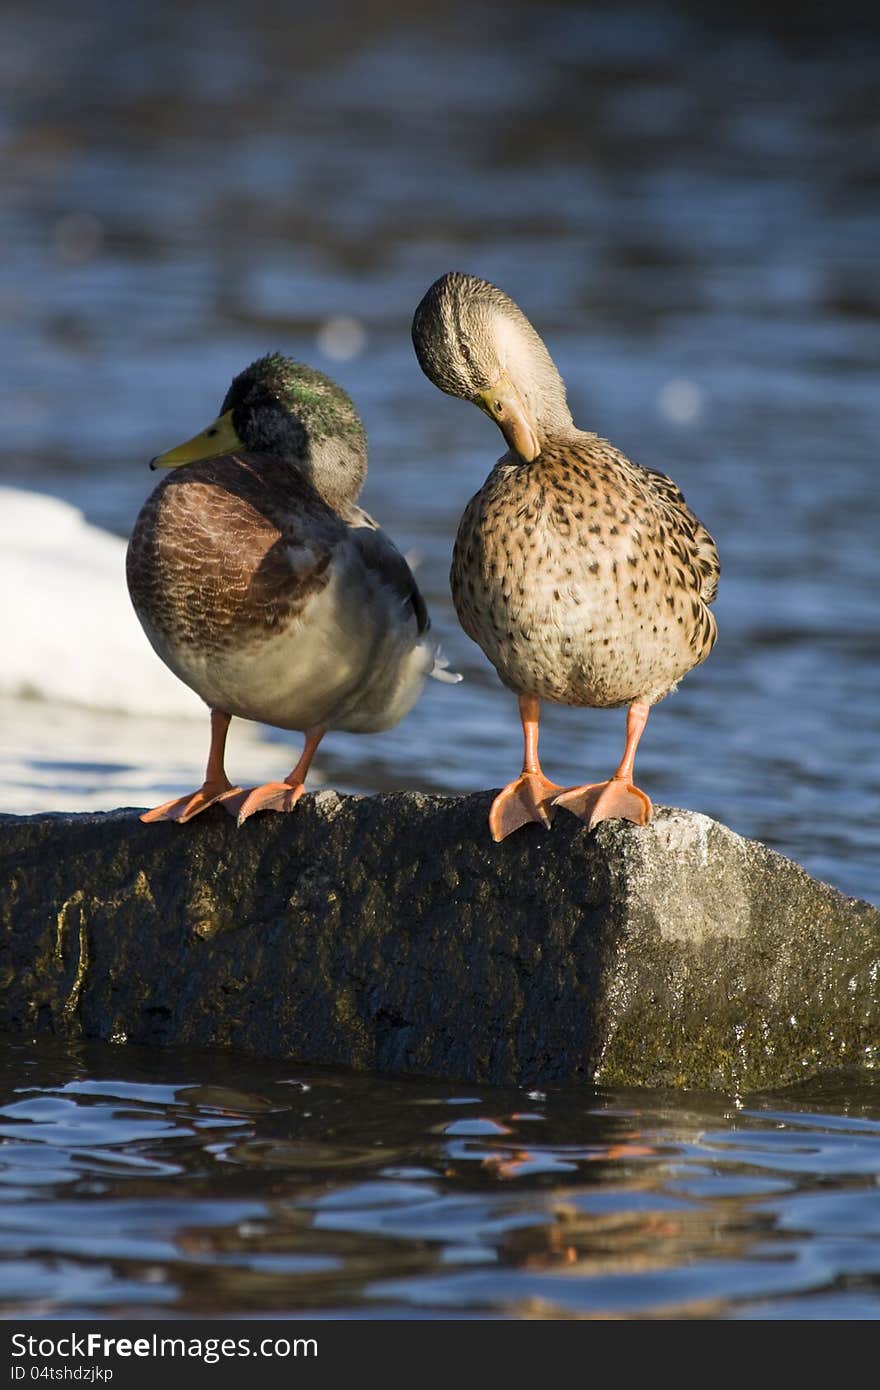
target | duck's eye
x=465, y=352
x=209, y=434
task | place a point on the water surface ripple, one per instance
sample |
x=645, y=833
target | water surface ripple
x=137, y=1181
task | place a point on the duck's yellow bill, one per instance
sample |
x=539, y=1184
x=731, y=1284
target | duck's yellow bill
x=218, y=439
x=503, y=404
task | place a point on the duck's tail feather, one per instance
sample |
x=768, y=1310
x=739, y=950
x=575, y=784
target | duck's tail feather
x=440, y=670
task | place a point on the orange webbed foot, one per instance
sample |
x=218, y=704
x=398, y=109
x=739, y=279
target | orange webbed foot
x=271, y=796
x=529, y=798
x=185, y=807
x=618, y=799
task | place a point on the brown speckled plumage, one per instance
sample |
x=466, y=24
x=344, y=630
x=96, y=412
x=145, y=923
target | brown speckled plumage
x=585, y=578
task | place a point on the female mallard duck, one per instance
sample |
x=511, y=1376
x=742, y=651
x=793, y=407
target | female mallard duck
x=263, y=586
x=584, y=578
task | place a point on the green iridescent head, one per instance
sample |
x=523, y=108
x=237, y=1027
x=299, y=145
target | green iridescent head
x=290, y=411
x=282, y=407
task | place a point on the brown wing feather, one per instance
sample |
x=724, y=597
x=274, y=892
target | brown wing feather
x=700, y=547
x=222, y=546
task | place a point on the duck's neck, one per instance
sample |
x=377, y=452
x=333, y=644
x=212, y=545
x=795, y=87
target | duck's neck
x=527, y=362
x=336, y=467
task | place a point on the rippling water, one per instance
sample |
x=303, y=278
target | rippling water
x=177, y=1185
x=689, y=212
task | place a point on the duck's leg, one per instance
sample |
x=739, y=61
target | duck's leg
x=530, y=797
x=278, y=796
x=215, y=785
x=618, y=798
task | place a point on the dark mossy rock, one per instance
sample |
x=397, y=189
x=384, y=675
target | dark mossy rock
x=390, y=933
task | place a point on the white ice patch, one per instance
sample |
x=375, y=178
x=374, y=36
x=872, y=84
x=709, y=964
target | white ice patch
x=68, y=631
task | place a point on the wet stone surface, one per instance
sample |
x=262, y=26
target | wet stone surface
x=390, y=934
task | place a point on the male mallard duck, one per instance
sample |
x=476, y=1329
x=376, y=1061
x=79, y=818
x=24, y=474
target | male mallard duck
x=263, y=586
x=584, y=578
